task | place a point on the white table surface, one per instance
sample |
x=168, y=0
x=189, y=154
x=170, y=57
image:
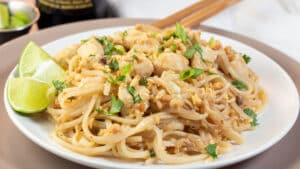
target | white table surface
x=275, y=22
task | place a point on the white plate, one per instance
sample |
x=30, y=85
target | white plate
x=275, y=120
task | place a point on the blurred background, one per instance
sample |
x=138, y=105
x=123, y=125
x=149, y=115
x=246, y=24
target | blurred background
x=274, y=22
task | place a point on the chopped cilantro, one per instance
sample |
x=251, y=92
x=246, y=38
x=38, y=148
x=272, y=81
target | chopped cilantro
x=116, y=105
x=211, y=150
x=135, y=57
x=109, y=49
x=190, y=73
x=99, y=110
x=160, y=48
x=246, y=58
x=165, y=38
x=59, y=85
x=152, y=153
x=114, y=65
x=239, y=85
x=191, y=51
x=252, y=114
x=135, y=97
x=173, y=47
x=143, y=81
x=126, y=69
x=120, y=49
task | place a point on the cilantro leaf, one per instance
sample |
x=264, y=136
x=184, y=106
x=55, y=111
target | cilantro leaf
x=114, y=65
x=190, y=73
x=246, y=58
x=160, y=48
x=59, y=85
x=143, y=81
x=152, y=153
x=109, y=49
x=126, y=69
x=181, y=33
x=251, y=114
x=165, y=38
x=191, y=51
x=135, y=97
x=116, y=105
x=239, y=85
x=211, y=150
x=120, y=49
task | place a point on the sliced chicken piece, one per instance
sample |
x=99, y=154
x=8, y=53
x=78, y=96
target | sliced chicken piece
x=143, y=67
x=91, y=48
x=170, y=61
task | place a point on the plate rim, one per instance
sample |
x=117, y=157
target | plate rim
x=279, y=137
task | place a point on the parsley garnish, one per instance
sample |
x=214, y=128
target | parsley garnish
x=246, y=58
x=59, y=85
x=114, y=65
x=239, y=85
x=135, y=97
x=181, y=33
x=252, y=114
x=152, y=153
x=190, y=73
x=116, y=105
x=191, y=51
x=211, y=149
x=92, y=55
x=143, y=81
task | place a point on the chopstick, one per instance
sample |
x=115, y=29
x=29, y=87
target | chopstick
x=196, y=13
x=170, y=20
x=199, y=16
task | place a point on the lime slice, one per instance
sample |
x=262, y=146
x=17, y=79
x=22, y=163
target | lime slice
x=27, y=95
x=4, y=16
x=23, y=16
x=36, y=63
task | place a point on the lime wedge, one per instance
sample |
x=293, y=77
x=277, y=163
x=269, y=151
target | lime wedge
x=27, y=95
x=23, y=16
x=31, y=58
x=4, y=16
x=49, y=71
x=36, y=63
x=15, y=22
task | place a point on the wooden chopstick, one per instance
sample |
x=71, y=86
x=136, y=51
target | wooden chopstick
x=170, y=20
x=195, y=13
x=212, y=9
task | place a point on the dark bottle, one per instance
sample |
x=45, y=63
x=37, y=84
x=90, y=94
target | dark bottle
x=54, y=12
